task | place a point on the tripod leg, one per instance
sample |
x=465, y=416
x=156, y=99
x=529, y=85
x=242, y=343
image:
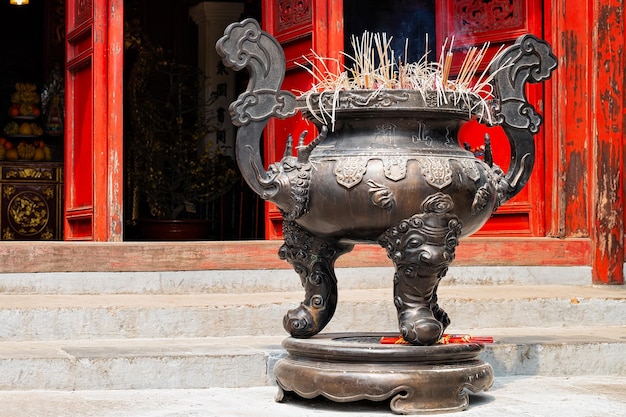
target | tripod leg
x=313, y=259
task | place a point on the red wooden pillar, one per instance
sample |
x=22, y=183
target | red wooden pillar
x=588, y=122
x=607, y=105
x=93, y=120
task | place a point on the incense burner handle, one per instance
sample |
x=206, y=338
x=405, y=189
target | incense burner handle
x=531, y=60
x=246, y=45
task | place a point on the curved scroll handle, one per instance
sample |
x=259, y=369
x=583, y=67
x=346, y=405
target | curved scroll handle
x=529, y=59
x=245, y=45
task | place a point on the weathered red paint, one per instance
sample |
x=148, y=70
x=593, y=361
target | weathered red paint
x=607, y=72
x=568, y=112
x=113, y=228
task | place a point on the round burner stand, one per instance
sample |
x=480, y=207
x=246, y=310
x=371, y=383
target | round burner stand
x=356, y=366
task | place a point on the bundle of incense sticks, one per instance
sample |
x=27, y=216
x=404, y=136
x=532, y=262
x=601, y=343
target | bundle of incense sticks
x=374, y=67
x=446, y=339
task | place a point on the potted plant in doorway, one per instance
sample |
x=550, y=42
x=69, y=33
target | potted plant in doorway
x=173, y=173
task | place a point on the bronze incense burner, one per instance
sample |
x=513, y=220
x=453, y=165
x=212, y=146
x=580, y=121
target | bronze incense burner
x=389, y=170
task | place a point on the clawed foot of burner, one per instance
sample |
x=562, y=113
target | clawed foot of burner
x=319, y=303
x=421, y=320
x=306, y=321
x=419, y=327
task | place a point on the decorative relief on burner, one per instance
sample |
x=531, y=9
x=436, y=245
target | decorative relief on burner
x=481, y=199
x=349, y=171
x=469, y=167
x=359, y=99
x=395, y=167
x=437, y=171
x=450, y=140
x=381, y=196
x=432, y=99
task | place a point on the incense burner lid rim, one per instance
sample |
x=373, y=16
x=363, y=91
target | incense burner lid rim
x=451, y=104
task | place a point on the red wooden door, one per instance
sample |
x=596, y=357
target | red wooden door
x=300, y=27
x=500, y=22
x=93, y=138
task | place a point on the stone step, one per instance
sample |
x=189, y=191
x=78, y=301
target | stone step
x=65, y=317
x=516, y=396
x=270, y=280
x=244, y=361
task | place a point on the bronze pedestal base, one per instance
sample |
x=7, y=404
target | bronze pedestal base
x=351, y=367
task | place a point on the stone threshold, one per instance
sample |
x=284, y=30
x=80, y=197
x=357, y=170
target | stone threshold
x=260, y=254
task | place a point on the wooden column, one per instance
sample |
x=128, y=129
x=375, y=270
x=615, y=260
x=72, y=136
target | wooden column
x=587, y=111
x=607, y=106
x=93, y=145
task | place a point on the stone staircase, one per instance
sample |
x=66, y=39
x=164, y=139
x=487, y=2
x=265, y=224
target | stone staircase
x=223, y=329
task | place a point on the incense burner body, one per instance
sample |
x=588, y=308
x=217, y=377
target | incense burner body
x=390, y=159
x=386, y=168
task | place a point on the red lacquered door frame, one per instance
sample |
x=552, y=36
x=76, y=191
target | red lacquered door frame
x=93, y=120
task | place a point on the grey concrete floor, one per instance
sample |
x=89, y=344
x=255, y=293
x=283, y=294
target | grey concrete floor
x=510, y=396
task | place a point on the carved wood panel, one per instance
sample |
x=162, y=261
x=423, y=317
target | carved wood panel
x=478, y=21
x=292, y=16
x=84, y=11
x=478, y=16
x=30, y=201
